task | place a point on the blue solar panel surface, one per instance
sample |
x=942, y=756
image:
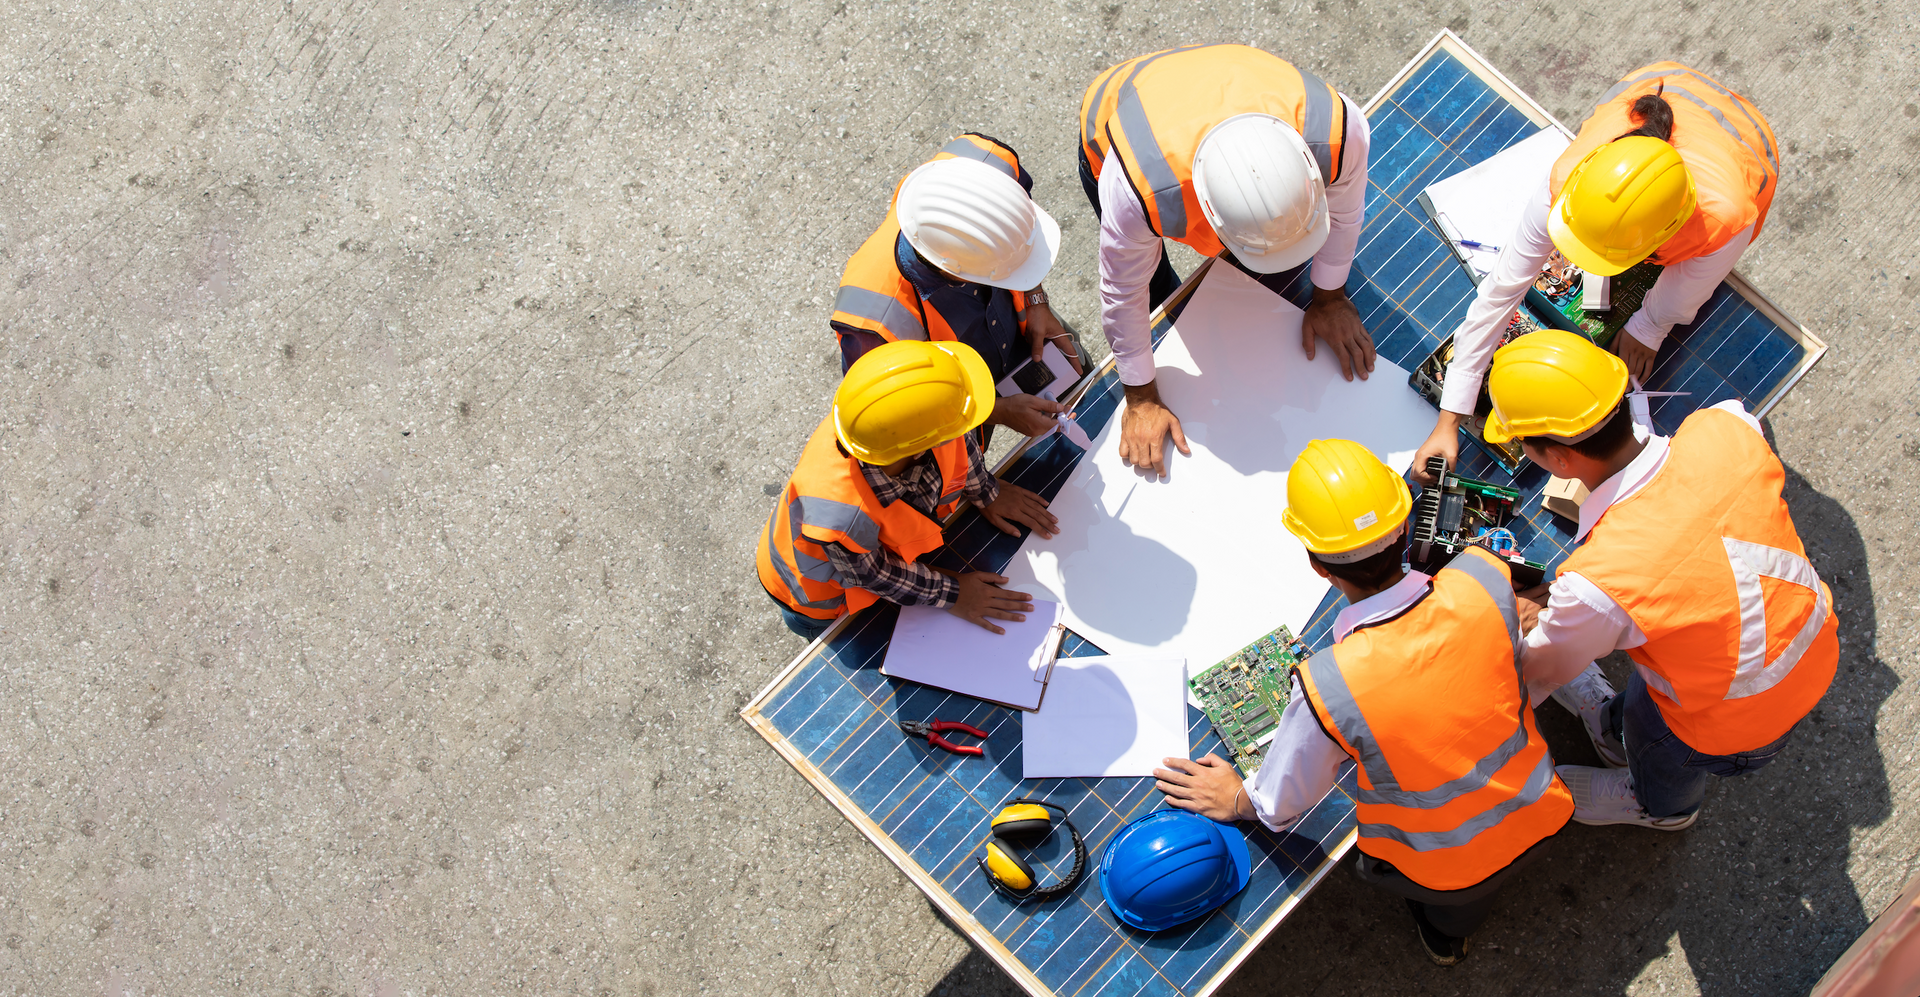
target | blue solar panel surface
x=840, y=714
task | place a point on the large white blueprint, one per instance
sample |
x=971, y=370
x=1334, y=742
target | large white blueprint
x=1198, y=566
x=1107, y=716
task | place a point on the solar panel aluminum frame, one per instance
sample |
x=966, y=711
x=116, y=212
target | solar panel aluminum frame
x=1450, y=43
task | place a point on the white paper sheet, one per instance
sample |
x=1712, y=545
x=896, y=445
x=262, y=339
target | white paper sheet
x=934, y=647
x=1108, y=716
x=1198, y=566
x=1482, y=203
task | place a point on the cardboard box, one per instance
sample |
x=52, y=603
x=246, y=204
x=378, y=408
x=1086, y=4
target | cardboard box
x=1563, y=497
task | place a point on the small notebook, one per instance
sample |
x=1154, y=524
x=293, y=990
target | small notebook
x=934, y=647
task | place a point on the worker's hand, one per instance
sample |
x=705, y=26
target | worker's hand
x=1028, y=415
x=1018, y=505
x=1332, y=318
x=1209, y=787
x=982, y=598
x=1636, y=355
x=1529, y=604
x=1044, y=325
x=1144, y=428
x=1444, y=441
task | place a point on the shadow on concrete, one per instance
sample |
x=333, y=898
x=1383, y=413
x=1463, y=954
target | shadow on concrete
x=1756, y=897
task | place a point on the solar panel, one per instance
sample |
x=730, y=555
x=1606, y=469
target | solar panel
x=834, y=716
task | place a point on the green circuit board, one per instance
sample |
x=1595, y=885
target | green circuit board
x=1244, y=694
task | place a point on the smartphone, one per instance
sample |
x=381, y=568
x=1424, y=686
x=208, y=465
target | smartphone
x=1030, y=377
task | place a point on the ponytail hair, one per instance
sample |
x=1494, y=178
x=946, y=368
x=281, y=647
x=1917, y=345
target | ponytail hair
x=1655, y=114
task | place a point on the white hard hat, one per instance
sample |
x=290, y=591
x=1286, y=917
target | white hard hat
x=977, y=224
x=1262, y=192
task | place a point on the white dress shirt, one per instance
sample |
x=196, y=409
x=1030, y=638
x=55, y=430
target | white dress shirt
x=1130, y=249
x=1673, y=299
x=1302, y=760
x=1581, y=622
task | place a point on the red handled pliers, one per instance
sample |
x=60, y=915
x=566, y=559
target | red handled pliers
x=930, y=731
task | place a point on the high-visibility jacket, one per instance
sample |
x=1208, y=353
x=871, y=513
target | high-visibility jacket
x=875, y=296
x=1454, y=781
x=1155, y=109
x=1728, y=147
x=1742, y=640
x=828, y=501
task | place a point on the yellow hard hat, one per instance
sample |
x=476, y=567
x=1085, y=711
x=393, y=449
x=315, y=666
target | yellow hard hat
x=907, y=397
x=1552, y=383
x=1621, y=203
x=1342, y=502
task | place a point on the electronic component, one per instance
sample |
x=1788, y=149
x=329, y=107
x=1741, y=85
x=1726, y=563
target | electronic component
x=1460, y=512
x=1431, y=376
x=1245, y=694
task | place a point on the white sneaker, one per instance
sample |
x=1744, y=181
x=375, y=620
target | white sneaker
x=1586, y=697
x=1605, y=796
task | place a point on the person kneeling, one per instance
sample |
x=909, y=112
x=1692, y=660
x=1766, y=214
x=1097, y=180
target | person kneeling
x=890, y=461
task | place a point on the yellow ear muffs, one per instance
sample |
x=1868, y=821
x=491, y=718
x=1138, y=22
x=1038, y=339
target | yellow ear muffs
x=1009, y=874
x=1008, y=869
x=1022, y=820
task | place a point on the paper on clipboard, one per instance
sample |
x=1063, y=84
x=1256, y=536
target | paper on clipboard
x=934, y=647
x=1114, y=716
x=1482, y=203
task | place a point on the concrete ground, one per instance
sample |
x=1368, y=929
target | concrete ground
x=390, y=396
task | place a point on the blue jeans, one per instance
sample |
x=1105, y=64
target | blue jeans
x=1669, y=778
x=800, y=623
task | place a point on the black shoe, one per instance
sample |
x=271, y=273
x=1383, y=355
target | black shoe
x=1444, y=950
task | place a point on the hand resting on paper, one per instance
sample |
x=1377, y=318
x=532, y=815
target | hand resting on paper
x=1333, y=319
x=1144, y=428
x=1209, y=787
x=1018, y=505
x=981, y=597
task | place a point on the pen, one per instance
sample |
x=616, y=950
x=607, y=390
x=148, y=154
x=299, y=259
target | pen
x=1471, y=244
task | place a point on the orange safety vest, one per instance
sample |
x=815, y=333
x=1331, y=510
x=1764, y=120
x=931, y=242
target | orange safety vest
x=828, y=501
x=1741, y=637
x=1455, y=781
x=1728, y=147
x=874, y=295
x=1155, y=109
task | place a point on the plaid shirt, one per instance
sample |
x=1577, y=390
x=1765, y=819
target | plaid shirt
x=887, y=574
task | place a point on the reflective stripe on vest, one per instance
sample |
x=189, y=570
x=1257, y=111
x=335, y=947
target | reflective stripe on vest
x=1346, y=715
x=876, y=297
x=1728, y=147
x=897, y=319
x=1154, y=111
x=828, y=501
x=1741, y=636
x=1751, y=562
x=1374, y=693
x=964, y=148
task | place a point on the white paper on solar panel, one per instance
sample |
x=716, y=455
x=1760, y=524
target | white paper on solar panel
x=1198, y=565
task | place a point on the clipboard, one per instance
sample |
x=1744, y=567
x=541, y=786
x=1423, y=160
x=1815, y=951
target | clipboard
x=936, y=648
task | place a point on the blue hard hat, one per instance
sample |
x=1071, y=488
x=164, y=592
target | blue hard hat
x=1171, y=866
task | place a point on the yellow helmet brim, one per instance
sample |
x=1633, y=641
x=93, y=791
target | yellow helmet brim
x=980, y=390
x=1579, y=253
